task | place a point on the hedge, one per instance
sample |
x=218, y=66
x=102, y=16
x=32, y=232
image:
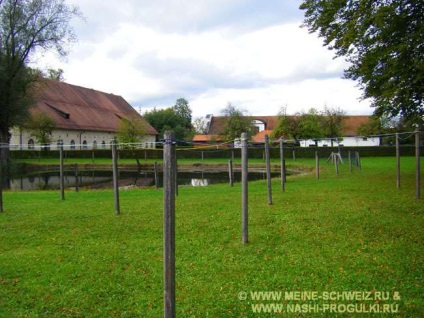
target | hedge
x=300, y=152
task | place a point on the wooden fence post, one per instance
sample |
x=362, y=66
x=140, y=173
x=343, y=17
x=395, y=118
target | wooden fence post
x=155, y=168
x=359, y=162
x=115, y=177
x=169, y=225
x=231, y=172
x=76, y=178
x=1, y=176
x=417, y=164
x=283, y=170
x=268, y=170
x=316, y=165
x=175, y=165
x=350, y=161
x=244, y=187
x=336, y=164
x=397, y=161
x=61, y=172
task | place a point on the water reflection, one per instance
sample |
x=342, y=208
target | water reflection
x=104, y=179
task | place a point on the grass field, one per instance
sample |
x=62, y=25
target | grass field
x=353, y=232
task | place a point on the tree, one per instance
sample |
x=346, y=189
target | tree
x=332, y=123
x=372, y=127
x=310, y=125
x=300, y=126
x=176, y=118
x=183, y=111
x=200, y=125
x=130, y=131
x=27, y=26
x=56, y=75
x=41, y=126
x=382, y=41
x=236, y=123
x=287, y=126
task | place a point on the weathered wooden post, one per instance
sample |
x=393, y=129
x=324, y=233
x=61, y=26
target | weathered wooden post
x=155, y=169
x=175, y=165
x=283, y=170
x=169, y=225
x=336, y=164
x=417, y=164
x=397, y=161
x=61, y=173
x=350, y=161
x=230, y=172
x=268, y=170
x=115, y=177
x=1, y=176
x=316, y=165
x=359, y=162
x=244, y=188
x=294, y=154
x=76, y=178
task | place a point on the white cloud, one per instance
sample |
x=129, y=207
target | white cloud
x=262, y=68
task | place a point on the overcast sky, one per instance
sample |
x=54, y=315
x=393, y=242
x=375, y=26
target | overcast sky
x=251, y=53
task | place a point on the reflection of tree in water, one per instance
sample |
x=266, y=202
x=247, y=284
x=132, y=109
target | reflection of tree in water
x=44, y=184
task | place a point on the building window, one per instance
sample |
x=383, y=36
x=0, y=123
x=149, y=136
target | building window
x=31, y=144
x=103, y=145
x=84, y=144
x=72, y=144
x=94, y=144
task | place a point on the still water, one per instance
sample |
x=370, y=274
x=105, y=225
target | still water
x=104, y=179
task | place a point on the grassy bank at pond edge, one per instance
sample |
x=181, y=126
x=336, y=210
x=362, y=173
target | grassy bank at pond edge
x=352, y=232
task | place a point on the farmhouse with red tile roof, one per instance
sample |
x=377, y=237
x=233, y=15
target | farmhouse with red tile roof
x=266, y=124
x=84, y=118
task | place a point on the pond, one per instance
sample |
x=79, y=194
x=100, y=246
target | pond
x=104, y=179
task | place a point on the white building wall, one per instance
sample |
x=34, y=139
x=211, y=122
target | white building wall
x=73, y=139
x=345, y=141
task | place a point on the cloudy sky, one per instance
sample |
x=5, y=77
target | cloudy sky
x=251, y=53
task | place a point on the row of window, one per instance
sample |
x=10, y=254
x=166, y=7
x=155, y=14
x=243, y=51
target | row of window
x=31, y=144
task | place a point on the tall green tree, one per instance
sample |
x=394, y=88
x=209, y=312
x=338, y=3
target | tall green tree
x=311, y=125
x=332, y=123
x=287, y=126
x=236, y=123
x=183, y=111
x=303, y=125
x=176, y=118
x=383, y=44
x=27, y=26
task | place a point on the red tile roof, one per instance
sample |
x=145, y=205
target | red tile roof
x=78, y=108
x=206, y=138
x=260, y=136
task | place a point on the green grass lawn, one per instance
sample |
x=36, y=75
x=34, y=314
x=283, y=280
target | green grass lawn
x=352, y=232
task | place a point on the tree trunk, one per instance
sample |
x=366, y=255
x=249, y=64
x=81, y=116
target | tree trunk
x=4, y=147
